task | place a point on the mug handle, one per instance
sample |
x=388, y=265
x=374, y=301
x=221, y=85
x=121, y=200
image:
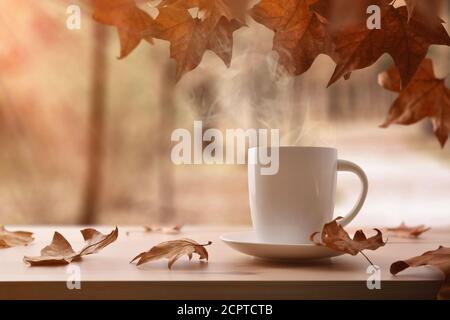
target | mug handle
x=347, y=166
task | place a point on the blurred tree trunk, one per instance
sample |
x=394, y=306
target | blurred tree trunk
x=165, y=174
x=96, y=126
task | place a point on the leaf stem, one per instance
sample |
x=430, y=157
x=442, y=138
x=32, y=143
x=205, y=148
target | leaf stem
x=366, y=257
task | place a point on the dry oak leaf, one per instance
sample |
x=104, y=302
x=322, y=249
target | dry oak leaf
x=334, y=236
x=176, y=229
x=173, y=250
x=425, y=97
x=191, y=37
x=439, y=258
x=300, y=34
x=132, y=23
x=60, y=252
x=10, y=239
x=404, y=231
x=358, y=47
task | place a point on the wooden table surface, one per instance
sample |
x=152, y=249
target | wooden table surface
x=227, y=275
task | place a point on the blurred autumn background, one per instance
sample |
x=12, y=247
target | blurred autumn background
x=85, y=137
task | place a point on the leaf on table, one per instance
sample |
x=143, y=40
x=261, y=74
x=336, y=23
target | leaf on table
x=439, y=258
x=405, y=39
x=300, y=34
x=190, y=37
x=96, y=241
x=175, y=229
x=404, y=231
x=60, y=252
x=133, y=24
x=10, y=239
x=334, y=236
x=425, y=97
x=173, y=250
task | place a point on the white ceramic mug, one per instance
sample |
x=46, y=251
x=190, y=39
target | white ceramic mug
x=289, y=206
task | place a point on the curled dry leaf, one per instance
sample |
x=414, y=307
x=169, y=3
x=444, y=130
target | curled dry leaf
x=173, y=250
x=403, y=231
x=60, y=252
x=334, y=236
x=176, y=229
x=439, y=258
x=14, y=238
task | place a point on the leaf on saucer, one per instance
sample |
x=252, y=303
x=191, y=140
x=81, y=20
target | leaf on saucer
x=173, y=250
x=404, y=231
x=334, y=236
x=10, y=239
x=175, y=229
x=439, y=258
x=60, y=252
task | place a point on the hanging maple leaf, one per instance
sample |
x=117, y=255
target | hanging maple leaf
x=132, y=23
x=10, y=239
x=404, y=231
x=358, y=47
x=334, y=236
x=173, y=250
x=439, y=258
x=425, y=97
x=300, y=34
x=191, y=37
x=60, y=252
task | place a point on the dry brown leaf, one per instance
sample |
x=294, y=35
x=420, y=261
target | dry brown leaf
x=439, y=258
x=173, y=250
x=425, y=97
x=404, y=231
x=60, y=252
x=14, y=238
x=191, y=37
x=300, y=34
x=358, y=47
x=132, y=23
x=334, y=236
x=176, y=229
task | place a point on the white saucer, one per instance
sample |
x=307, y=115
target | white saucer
x=245, y=242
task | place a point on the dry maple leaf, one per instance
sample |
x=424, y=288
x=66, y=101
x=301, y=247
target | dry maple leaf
x=403, y=231
x=10, y=239
x=191, y=37
x=60, y=252
x=162, y=229
x=173, y=250
x=425, y=97
x=300, y=34
x=358, y=47
x=334, y=236
x=439, y=258
x=132, y=23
